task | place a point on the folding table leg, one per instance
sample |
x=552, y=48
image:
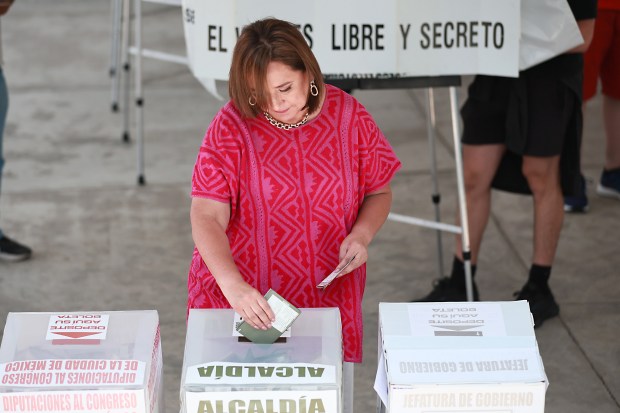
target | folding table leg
x=435, y=197
x=461, y=193
x=115, y=50
x=126, y=37
x=138, y=90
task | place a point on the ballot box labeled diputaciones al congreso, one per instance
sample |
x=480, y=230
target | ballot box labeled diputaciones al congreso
x=78, y=362
x=459, y=357
x=300, y=373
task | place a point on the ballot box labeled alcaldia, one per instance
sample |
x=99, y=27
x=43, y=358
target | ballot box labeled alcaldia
x=78, y=362
x=459, y=357
x=300, y=373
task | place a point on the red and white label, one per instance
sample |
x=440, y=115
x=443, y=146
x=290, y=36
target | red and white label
x=72, y=373
x=106, y=401
x=77, y=326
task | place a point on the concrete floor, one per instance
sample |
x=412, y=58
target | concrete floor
x=101, y=242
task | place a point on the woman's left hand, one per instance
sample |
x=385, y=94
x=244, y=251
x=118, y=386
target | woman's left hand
x=372, y=215
x=352, y=247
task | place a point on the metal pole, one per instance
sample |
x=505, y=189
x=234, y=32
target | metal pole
x=115, y=51
x=435, y=197
x=126, y=37
x=138, y=90
x=427, y=223
x=461, y=193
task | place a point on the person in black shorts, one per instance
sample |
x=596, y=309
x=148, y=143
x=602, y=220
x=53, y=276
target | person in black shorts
x=522, y=135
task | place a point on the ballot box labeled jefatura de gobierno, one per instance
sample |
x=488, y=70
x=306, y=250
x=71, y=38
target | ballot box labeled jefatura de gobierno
x=459, y=357
x=78, y=362
x=300, y=373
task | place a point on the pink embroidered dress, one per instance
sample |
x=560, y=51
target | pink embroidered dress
x=294, y=197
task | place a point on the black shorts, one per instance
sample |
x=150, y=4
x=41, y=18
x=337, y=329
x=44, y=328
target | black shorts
x=530, y=115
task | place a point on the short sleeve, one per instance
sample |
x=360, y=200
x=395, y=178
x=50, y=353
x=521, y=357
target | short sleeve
x=583, y=9
x=216, y=172
x=378, y=160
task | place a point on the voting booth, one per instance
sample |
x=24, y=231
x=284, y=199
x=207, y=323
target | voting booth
x=301, y=372
x=459, y=357
x=81, y=362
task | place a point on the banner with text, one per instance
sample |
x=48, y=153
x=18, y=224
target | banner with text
x=260, y=373
x=356, y=39
x=65, y=401
x=72, y=373
x=280, y=401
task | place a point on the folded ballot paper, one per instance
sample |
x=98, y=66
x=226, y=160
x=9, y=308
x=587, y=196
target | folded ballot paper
x=285, y=314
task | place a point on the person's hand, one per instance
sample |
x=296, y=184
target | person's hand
x=352, y=247
x=4, y=6
x=249, y=303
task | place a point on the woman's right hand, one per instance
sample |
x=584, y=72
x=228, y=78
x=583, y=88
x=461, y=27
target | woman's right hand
x=249, y=303
x=209, y=220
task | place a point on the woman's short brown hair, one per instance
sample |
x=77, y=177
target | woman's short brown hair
x=260, y=43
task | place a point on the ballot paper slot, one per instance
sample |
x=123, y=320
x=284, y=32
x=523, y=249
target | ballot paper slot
x=242, y=339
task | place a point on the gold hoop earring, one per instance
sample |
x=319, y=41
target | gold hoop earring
x=314, y=91
x=251, y=102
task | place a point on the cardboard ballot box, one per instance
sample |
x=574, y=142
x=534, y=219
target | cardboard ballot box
x=223, y=372
x=459, y=357
x=81, y=362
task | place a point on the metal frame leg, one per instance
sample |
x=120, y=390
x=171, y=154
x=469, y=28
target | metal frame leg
x=121, y=44
x=126, y=37
x=115, y=51
x=138, y=90
x=435, y=197
x=461, y=193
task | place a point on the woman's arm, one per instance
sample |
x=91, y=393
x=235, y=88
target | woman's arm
x=587, y=32
x=209, y=220
x=373, y=213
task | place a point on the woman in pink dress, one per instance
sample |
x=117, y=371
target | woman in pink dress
x=292, y=180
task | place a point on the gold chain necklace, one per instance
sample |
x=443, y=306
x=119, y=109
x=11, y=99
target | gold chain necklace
x=285, y=126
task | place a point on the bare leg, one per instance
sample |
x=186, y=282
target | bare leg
x=611, y=120
x=480, y=162
x=543, y=176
